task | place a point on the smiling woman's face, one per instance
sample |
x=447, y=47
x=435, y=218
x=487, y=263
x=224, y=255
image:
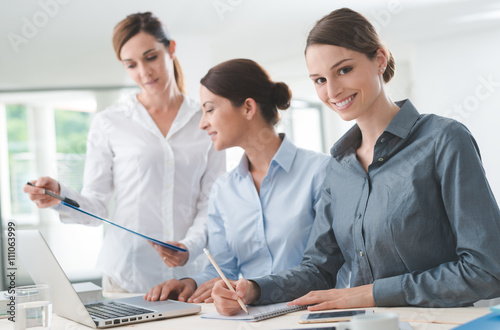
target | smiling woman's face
x=148, y=62
x=225, y=123
x=348, y=82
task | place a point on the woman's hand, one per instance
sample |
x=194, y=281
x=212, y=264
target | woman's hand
x=172, y=289
x=225, y=300
x=361, y=296
x=204, y=292
x=170, y=257
x=37, y=194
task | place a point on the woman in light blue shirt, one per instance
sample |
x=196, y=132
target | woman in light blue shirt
x=261, y=213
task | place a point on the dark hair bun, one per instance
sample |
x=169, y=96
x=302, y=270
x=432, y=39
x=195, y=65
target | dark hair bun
x=281, y=95
x=391, y=67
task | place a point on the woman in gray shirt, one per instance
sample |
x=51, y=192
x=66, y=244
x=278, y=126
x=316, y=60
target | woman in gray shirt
x=405, y=202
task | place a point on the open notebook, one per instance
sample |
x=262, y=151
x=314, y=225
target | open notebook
x=257, y=313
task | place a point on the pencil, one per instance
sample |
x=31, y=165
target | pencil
x=221, y=274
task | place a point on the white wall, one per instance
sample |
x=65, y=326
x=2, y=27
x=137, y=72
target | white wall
x=459, y=77
x=73, y=48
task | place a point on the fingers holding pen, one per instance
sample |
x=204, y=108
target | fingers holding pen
x=224, y=299
x=36, y=192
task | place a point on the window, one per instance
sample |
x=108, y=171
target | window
x=302, y=122
x=71, y=136
x=20, y=160
x=40, y=137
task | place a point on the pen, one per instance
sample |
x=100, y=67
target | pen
x=50, y=193
x=221, y=274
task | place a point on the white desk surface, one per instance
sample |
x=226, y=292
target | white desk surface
x=419, y=319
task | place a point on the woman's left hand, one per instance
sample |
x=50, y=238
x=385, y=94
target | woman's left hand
x=204, y=292
x=361, y=296
x=170, y=257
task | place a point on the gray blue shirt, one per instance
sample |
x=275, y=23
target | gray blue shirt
x=258, y=233
x=422, y=224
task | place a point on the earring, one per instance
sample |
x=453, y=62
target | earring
x=382, y=70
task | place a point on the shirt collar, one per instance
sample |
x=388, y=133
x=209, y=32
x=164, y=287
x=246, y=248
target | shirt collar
x=284, y=157
x=400, y=126
x=187, y=110
x=404, y=120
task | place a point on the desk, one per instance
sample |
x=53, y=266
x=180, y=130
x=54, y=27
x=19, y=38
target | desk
x=419, y=318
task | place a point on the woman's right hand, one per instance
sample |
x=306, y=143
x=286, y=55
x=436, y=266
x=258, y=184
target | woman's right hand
x=225, y=300
x=37, y=194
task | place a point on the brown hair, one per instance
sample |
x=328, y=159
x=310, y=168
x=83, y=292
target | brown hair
x=239, y=79
x=349, y=29
x=145, y=22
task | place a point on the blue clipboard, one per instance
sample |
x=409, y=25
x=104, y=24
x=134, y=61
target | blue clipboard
x=170, y=246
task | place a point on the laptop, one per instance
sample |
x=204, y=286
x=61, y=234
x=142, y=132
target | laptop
x=43, y=267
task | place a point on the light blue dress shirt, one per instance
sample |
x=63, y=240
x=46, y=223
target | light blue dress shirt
x=255, y=235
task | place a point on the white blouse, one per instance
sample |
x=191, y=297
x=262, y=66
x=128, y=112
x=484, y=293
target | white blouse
x=159, y=185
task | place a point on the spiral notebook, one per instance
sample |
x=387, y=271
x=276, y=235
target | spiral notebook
x=257, y=313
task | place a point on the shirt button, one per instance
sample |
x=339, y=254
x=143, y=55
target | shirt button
x=380, y=159
x=382, y=140
x=361, y=253
x=359, y=216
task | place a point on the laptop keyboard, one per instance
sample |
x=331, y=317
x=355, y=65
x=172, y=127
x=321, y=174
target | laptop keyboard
x=113, y=309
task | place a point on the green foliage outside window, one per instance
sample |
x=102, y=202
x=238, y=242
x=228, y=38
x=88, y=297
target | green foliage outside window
x=71, y=138
x=71, y=131
x=17, y=128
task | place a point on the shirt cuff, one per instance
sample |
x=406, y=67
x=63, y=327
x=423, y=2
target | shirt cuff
x=194, y=249
x=388, y=292
x=266, y=286
x=63, y=210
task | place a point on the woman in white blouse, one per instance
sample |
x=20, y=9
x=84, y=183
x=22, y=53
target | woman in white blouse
x=148, y=155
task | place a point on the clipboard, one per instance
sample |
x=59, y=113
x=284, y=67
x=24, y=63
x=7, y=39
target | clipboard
x=169, y=246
